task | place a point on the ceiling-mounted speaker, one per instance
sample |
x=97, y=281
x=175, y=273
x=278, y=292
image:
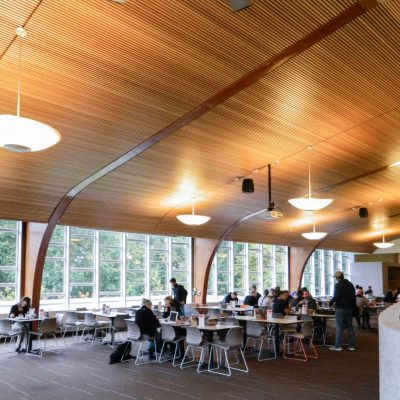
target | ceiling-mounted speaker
x=238, y=5
x=363, y=212
x=247, y=186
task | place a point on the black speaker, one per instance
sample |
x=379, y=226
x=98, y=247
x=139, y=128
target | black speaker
x=363, y=212
x=247, y=186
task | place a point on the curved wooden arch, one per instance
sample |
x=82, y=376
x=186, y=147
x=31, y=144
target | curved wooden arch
x=348, y=15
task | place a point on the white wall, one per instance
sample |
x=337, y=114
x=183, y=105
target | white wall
x=368, y=274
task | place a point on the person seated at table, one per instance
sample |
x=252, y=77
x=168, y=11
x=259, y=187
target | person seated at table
x=307, y=299
x=369, y=291
x=148, y=324
x=362, y=310
x=17, y=310
x=391, y=296
x=266, y=300
x=251, y=299
x=231, y=296
x=170, y=304
x=254, y=287
x=281, y=305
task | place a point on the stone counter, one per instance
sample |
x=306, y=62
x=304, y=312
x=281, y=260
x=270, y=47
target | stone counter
x=389, y=353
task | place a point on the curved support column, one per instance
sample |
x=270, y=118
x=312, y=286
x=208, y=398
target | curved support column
x=298, y=258
x=202, y=250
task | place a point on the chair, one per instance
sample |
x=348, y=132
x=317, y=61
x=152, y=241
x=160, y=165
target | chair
x=47, y=328
x=255, y=333
x=6, y=333
x=299, y=338
x=168, y=335
x=135, y=336
x=189, y=310
x=91, y=324
x=232, y=343
x=72, y=323
x=119, y=324
x=289, y=329
x=194, y=341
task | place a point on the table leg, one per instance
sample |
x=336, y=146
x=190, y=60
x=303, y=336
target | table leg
x=276, y=341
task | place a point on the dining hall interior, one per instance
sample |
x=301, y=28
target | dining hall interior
x=176, y=159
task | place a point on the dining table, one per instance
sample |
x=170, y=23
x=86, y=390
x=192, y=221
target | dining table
x=28, y=322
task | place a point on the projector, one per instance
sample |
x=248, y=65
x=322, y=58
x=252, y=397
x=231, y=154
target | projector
x=273, y=214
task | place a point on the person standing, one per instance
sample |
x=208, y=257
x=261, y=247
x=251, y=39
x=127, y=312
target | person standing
x=180, y=293
x=344, y=299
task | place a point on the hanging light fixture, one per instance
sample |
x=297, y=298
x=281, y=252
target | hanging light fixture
x=193, y=219
x=313, y=235
x=24, y=135
x=310, y=203
x=383, y=244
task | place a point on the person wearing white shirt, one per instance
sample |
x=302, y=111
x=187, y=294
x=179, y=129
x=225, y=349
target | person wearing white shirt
x=265, y=300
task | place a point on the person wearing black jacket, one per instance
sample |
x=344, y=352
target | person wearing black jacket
x=20, y=309
x=148, y=324
x=344, y=299
x=231, y=296
x=179, y=292
x=391, y=296
x=251, y=299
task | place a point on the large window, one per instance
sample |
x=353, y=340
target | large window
x=89, y=267
x=10, y=245
x=318, y=274
x=237, y=266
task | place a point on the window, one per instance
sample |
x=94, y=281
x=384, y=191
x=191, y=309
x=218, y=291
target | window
x=10, y=245
x=88, y=268
x=237, y=266
x=318, y=273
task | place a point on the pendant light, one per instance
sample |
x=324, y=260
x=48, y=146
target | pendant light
x=24, y=135
x=383, y=244
x=309, y=203
x=193, y=219
x=313, y=235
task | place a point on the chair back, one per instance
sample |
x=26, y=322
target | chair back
x=234, y=338
x=60, y=320
x=291, y=317
x=188, y=310
x=133, y=331
x=81, y=309
x=213, y=312
x=119, y=322
x=307, y=326
x=167, y=333
x=253, y=329
x=71, y=318
x=232, y=321
x=48, y=325
x=193, y=336
x=89, y=319
x=5, y=327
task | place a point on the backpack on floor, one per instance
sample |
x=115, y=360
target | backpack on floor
x=121, y=353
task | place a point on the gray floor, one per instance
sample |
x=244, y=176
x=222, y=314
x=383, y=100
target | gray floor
x=82, y=372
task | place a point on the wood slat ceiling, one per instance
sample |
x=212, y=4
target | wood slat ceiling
x=108, y=76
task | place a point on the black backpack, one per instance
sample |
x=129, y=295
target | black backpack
x=184, y=292
x=121, y=353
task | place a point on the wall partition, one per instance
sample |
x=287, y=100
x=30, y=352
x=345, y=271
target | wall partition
x=10, y=262
x=86, y=267
x=237, y=266
x=318, y=273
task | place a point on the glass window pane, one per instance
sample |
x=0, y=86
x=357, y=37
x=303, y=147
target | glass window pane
x=179, y=257
x=135, y=283
x=6, y=224
x=158, y=256
x=158, y=242
x=110, y=253
x=7, y=293
x=180, y=239
x=110, y=238
x=135, y=254
x=223, y=259
x=81, y=276
x=8, y=248
x=81, y=231
x=135, y=236
x=110, y=277
x=55, y=251
x=8, y=276
x=82, y=250
x=53, y=276
x=58, y=234
x=81, y=292
x=158, y=279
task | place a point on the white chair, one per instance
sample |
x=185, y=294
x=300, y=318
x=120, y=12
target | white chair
x=194, y=341
x=47, y=328
x=72, y=324
x=299, y=352
x=232, y=343
x=91, y=324
x=168, y=335
x=6, y=333
x=255, y=333
x=135, y=336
